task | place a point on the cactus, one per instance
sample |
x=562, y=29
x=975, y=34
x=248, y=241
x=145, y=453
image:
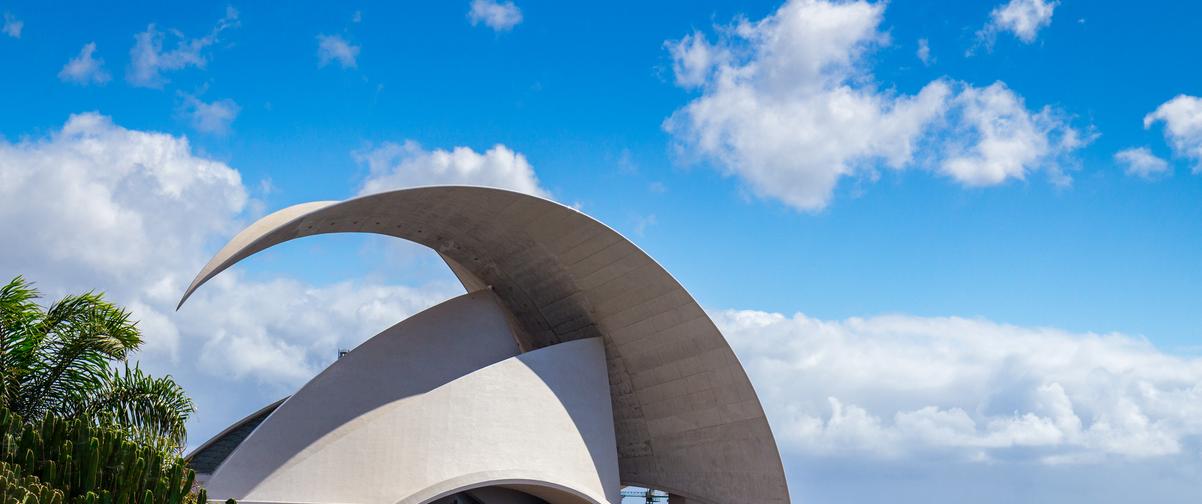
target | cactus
x=68, y=476
x=91, y=465
x=25, y=489
x=49, y=472
x=189, y=479
x=56, y=461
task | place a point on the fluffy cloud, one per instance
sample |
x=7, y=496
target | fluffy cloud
x=148, y=60
x=1140, y=162
x=965, y=390
x=135, y=214
x=12, y=25
x=332, y=48
x=111, y=202
x=994, y=137
x=1023, y=18
x=500, y=16
x=285, y=331
x=209, y=117
x=1182, y=117
x=788, y=106
x=694, y=59
x=84, y=69
x=394, y=166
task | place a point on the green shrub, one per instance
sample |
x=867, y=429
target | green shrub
x=66, y=360
x=84, y=464
x=18, y=489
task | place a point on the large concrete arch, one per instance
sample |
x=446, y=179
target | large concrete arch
x=516, y=492
x=686, y=417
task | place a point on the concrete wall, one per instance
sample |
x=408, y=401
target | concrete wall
x=437, y=404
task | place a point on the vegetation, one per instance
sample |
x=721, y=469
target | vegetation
x=53, y=461
x=15, y=489
x=68, y=360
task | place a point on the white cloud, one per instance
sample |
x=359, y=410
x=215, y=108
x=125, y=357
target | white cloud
x=788, y=106
x=972, y=390
x=135, y=214
x=924, y=52
x=148, y=60
x=12, y=25
x=99, y=197
x=335, y=48
x=694, y=59
x=395, y=166
x=500, y=16
x=1182, y=117
x=994, y=138
x=1023, y=18
x=209, y=117
x=1140, y=162
x=285, y=331
x=84, y=69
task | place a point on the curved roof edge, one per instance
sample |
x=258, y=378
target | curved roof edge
x=252, y=421
x=683, y=405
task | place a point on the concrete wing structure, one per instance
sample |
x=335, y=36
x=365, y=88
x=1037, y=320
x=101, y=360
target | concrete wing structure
x=685, y=418
x=207, y=457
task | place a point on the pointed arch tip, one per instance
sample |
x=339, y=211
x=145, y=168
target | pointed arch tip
x=251, y=240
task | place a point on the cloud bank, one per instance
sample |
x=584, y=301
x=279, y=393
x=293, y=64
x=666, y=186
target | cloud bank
x=966, y=390
x=135, y=213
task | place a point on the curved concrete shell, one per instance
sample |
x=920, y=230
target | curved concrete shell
x=205, y=458
x=685, y=416
x=440, y=403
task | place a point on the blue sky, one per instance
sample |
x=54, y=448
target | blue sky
x=1028, y=177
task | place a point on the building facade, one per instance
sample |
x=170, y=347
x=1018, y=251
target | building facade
x=574, y=365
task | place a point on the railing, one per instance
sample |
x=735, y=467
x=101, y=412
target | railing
x=643, y=496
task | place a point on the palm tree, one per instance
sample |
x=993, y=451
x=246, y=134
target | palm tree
x=62, y=360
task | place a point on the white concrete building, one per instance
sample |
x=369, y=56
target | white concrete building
x=575, y=365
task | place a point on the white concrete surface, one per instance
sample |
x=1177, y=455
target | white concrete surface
x=686, y=418
x=435, y=405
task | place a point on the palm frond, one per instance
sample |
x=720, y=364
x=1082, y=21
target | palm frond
x=155, y=409
x=20, y=320
x=59, y=360
x=82, y=335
